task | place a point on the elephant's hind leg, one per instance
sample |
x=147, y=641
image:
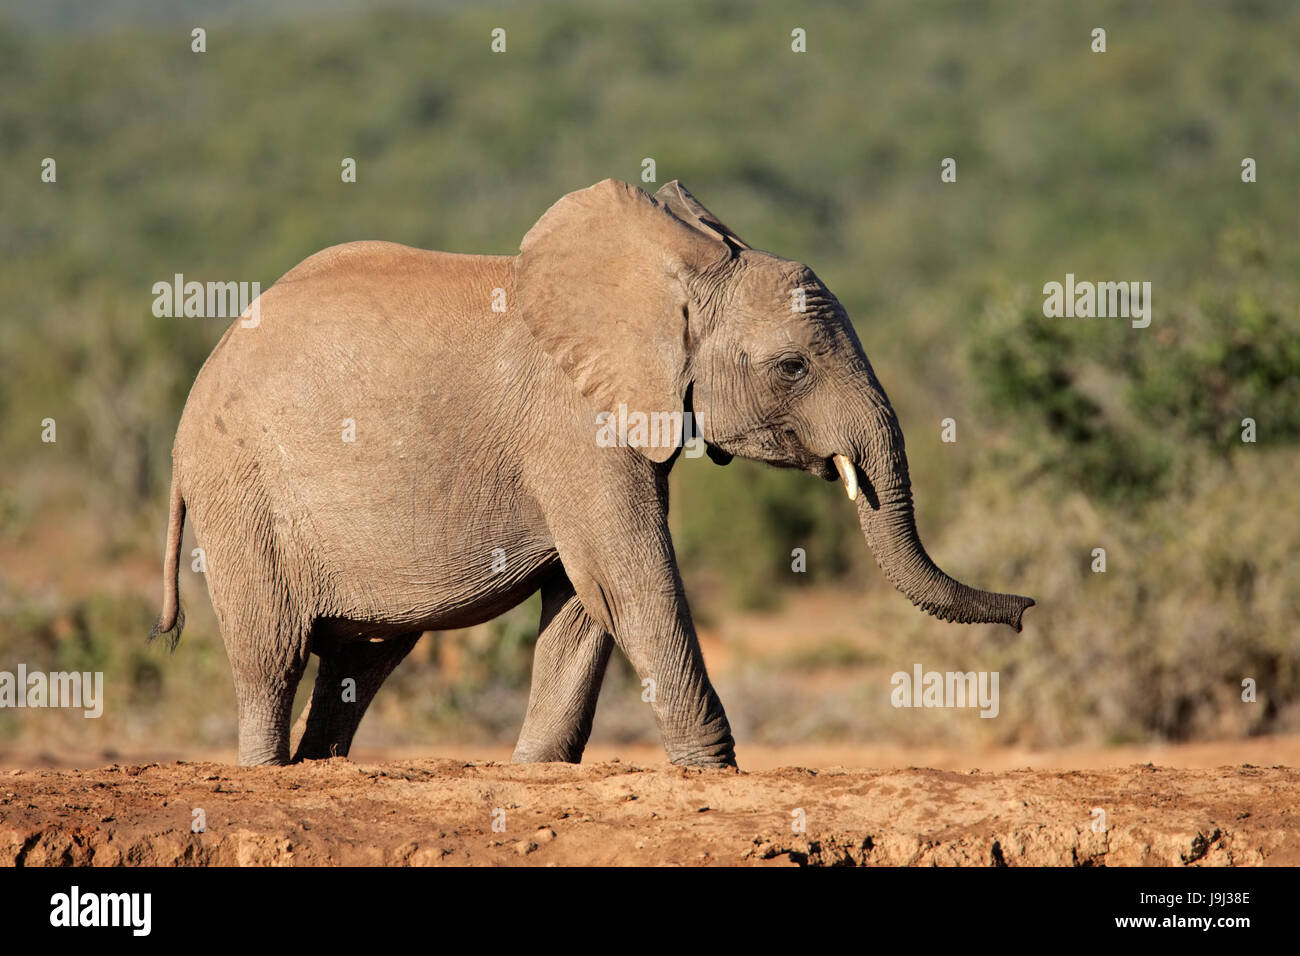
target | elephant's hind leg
x=262, y=591
x=334, y=712
x=568, y=667
x=267, y=659
x=265, y=705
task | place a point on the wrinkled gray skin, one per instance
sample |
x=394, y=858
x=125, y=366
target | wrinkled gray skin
x=475, y=430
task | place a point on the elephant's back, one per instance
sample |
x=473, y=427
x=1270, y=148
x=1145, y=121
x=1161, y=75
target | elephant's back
x=374, y=259
x=355, y=333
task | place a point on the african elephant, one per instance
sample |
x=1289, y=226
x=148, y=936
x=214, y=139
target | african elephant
x=472, y=477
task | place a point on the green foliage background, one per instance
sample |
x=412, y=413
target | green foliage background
x=1073, y=434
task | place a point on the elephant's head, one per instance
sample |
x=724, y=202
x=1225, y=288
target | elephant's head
x=654, y=304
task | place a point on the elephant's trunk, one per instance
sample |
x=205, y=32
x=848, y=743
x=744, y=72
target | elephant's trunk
x=889, y=525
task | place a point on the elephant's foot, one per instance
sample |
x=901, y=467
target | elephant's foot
x=716, y=749
x=264, y=723
x=263, y=745
x=727, y=762
x=546, y=753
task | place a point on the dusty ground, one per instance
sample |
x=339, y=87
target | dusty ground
x=403, y=810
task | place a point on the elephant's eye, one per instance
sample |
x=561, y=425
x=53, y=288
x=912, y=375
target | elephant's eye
x=792, y=369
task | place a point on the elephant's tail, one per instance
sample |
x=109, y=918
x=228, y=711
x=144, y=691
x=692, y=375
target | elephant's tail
x=172, y=620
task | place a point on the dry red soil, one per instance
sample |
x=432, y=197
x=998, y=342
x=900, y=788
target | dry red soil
x=401, y=811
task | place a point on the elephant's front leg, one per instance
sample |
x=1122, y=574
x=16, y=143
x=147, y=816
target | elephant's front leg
x=568, y=667
x=659, y=640
x=638, y=598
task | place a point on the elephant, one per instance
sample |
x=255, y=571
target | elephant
x=407, y=440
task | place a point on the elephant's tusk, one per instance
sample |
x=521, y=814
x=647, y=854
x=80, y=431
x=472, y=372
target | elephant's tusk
x=848, y=474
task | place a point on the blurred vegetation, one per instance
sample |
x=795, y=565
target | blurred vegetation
x=1073, y=433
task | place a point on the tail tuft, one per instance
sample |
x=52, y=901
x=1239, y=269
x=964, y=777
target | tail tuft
x=171, y=634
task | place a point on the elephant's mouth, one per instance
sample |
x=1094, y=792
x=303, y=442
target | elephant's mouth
x=717, y=455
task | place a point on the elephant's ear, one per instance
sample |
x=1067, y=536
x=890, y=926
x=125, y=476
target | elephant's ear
x=601, y=282
x=691, y=211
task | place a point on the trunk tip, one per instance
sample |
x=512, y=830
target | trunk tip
x=1021, y=604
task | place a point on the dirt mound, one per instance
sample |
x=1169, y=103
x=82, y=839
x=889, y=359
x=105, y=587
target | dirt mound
x=449, y=812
